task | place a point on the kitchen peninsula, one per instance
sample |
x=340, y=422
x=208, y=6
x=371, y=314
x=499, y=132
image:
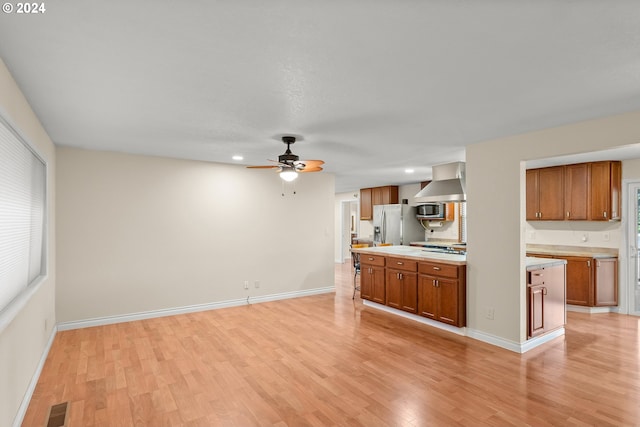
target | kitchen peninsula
x=417, y=281
x=431, y=287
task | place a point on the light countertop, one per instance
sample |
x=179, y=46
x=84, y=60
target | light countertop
x=534, y=263
x=572, y=251
x=413, y=252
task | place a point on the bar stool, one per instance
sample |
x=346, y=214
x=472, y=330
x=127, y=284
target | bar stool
x=355, y=257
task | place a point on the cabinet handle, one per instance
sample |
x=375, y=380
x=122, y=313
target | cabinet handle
x=400, y=263
x=567, y=214
x=588, y=263
x=370, y=259
x=605, y=214
x=597, y=263
x=540, y=215
x=436, y=268
x=538, y=274
x=400, y=276
x=434, y=283
x=544, y=291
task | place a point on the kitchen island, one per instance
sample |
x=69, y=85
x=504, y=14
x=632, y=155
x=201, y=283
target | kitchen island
x=416, y=283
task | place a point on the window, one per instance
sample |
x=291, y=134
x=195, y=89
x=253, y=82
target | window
x=22, y=215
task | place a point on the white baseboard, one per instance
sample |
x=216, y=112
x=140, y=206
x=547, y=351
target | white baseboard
x=107, y=320
x=512, y=345
x=22, y=410
x=590, y=310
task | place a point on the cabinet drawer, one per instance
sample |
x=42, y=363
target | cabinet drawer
x=372, y=260
x=536, y=277
x=435, y=269
x=402, y=264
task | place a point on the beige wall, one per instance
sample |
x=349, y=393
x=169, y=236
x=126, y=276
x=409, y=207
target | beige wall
x=496, y=212
x=24, y=340
x=139, y=233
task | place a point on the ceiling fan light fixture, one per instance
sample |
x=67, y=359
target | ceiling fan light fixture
x=288, y=174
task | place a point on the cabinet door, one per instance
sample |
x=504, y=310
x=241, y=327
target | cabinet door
x=551, y=195
x=366, y=206
x=378, y=288
x=615, y=189
x=600, y=187
x=576, y=191
x=366, y=283
x=536, y=309
x=409, y=292
x=394, y=289
x=532, y=194
x=448, y=304
x=606, y=282
x=579, y=281
x=427, y=296
x=376, y=196
x=390, y=195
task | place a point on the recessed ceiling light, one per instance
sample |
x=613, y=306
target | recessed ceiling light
x=237, y=157
x=409, y=171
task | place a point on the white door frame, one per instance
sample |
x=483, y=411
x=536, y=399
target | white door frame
x=629, y=250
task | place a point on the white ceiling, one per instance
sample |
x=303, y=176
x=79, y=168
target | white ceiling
x=374, y=87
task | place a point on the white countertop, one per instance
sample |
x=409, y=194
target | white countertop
x=414, y=252
x=534, y=263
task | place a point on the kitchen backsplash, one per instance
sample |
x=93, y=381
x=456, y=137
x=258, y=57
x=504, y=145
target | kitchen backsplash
x=574, y=233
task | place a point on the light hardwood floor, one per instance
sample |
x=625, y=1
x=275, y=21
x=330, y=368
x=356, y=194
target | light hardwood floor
x=327, y=360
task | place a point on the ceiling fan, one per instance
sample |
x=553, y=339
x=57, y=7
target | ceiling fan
x=289, y=164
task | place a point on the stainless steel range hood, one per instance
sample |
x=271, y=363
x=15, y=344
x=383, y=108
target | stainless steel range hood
x=448, y=184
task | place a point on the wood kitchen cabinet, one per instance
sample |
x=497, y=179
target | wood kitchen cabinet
x=442, y=292
x=372, y=280
x=576, y=192
x=604, y=190
x=369, y=197
x=366, y=204
x=591, y=282
x=545, y=194
x=545, y=300
x=402, y=284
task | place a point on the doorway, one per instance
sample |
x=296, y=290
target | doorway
x=633, y=239
x=350, y=225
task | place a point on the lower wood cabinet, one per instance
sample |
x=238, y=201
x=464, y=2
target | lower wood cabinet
x=402, y=284
x=372, y=280
x=431, y=289
x=545, y=300
x=591, y=282
x=442, y=293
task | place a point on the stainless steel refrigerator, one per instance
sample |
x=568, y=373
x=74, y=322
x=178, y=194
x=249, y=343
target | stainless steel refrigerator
x=396, y=224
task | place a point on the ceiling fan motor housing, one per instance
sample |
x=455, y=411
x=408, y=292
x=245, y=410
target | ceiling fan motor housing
x=288, y=157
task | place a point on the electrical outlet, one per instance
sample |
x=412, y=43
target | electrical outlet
x=585, y=237
x=256, y=283
x=605, y=236
x=246, y=284
x=489, y=313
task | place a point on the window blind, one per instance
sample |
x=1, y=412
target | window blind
x=22, y=215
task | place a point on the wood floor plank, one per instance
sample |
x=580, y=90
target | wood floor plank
x=327, y=360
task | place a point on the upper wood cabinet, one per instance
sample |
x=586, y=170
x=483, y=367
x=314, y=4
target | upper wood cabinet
x=605, y=183
x=577, y=192
x=545, y=194
x=366, y=204
x=369, y=197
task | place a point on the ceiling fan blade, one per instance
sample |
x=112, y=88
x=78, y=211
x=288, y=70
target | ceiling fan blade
x=310, y=163
x=313, y=169
x=263, y=167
